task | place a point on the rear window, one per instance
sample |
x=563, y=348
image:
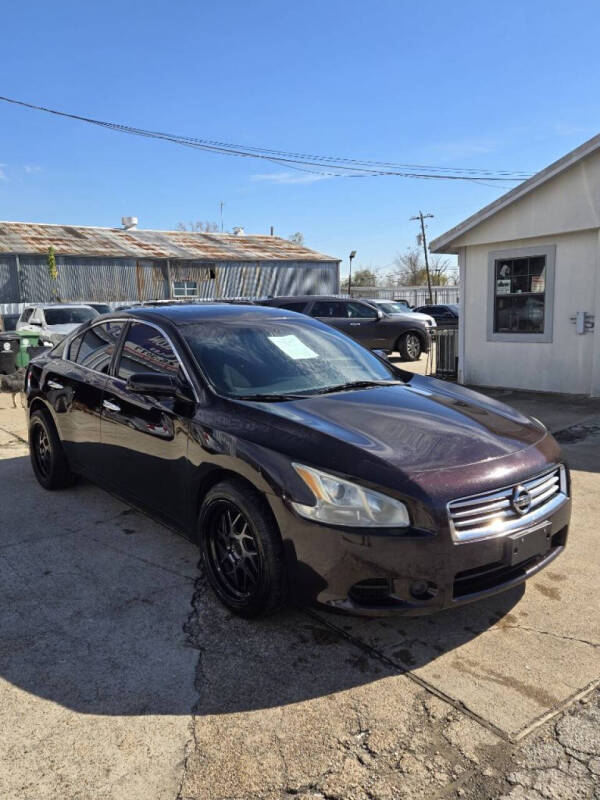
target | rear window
x=94, y=349
x=67, y=316
x=295, y=306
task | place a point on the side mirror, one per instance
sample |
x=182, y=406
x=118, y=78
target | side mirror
x=160, y=385
x=381, y=354
x=152, y=383
x=380, y=314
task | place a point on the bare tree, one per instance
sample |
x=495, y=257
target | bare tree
x=297, y=238
x=198, y=227
x=410, y=269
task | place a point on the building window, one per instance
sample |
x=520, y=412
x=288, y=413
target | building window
x=521, y=294
x=185, y=289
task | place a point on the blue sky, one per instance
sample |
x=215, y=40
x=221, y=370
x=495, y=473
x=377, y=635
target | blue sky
x=509, y=85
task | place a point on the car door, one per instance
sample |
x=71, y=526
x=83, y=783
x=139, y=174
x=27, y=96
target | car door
x=74, y=386
x=145, y=439
x=331, y=312
x=365, y=324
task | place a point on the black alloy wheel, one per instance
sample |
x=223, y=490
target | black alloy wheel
x=233, y=550
x=241, y=549
x=42, y=450
x=48, y=459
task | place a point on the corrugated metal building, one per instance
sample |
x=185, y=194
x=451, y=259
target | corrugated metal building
x=112, y=264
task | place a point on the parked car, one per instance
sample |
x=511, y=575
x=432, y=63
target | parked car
x=9, y=322
x=396, y=309
x=446, y=315
x=370, y=327
x=54, y=321
x=101, y=308
x=300, y=462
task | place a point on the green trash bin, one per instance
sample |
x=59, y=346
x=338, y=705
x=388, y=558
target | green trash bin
x=28, y=339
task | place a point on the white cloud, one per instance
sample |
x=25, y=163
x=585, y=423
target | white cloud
x=289, y=177
x=463, y=148
x=564, y=129
x=3, y=176
x=31, y=168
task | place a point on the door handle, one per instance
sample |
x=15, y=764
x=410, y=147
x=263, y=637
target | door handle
x=354, y=324
x=110, y=406
x=55, y=385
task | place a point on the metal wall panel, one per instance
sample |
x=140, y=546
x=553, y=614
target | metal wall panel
x=113, y=280
x=9, y=283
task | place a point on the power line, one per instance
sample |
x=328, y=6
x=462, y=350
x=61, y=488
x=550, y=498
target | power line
x=328, y=166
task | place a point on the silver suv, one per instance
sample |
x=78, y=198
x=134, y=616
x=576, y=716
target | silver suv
x=55, y=320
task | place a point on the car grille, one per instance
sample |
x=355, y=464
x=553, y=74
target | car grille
x=492, y=513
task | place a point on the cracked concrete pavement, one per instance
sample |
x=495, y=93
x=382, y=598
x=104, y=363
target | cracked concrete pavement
x=122, y=677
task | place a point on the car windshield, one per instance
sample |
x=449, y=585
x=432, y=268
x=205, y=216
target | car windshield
x=394, y=308
x=67, y=316
x=272, y=357
x=101, y=308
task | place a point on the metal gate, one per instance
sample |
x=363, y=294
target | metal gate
x=445, y=362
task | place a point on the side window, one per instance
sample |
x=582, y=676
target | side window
x=94, y=349
x=293, y=306
x=26, y=315
x=360, y=310
x=328, y=308
x=146, y=350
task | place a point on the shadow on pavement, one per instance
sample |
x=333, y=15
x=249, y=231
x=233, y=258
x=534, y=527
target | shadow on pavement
x=96, y=617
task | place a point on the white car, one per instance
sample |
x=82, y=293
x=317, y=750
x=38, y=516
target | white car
x=400, y=309
x=55, y=320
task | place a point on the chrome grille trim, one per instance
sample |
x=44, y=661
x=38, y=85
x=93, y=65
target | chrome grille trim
x=491, y=513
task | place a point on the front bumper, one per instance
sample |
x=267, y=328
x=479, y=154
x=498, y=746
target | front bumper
x=374, y=573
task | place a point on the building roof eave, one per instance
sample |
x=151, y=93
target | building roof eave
x=446, y=243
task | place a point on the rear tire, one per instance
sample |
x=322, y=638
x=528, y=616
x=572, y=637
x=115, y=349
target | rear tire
x=50, y=465
x=241, y=549
x=409, y=347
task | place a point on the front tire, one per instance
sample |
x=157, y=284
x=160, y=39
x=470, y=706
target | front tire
x=241, y=550
x=409, y=347
x=50, y=465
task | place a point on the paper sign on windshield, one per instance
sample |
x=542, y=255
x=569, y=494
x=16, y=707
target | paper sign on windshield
x=293, y=347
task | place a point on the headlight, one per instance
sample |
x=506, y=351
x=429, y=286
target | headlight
x=339, y=502
x=540, y=423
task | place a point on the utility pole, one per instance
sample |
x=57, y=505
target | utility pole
x=422, y=217
x=221, y=204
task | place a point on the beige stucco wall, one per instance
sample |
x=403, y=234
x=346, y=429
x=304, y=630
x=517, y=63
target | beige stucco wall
x=567, y=364
x=569, y=202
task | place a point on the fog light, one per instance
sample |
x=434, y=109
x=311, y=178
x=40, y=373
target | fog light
x=421, y=590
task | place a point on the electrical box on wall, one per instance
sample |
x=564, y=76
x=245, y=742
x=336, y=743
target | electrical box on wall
x=584, y=322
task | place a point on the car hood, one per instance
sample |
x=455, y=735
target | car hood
x=413, y=315
x=64, y=329
x=421, y=425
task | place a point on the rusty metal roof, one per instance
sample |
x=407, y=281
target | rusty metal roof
x=71, y=240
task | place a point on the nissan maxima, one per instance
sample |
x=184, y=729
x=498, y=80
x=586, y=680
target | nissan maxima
x=303, y=465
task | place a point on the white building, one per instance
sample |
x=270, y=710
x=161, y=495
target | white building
x=530, y=281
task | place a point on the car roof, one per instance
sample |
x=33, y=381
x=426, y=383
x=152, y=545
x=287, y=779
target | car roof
x=186, y=314
x=56, y=305
x=306, y=298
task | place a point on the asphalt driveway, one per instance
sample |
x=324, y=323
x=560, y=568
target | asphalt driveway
x=122, y=677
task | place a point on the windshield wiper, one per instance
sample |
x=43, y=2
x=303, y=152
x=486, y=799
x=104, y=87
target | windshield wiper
x=271, y=398
x=344, y=387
